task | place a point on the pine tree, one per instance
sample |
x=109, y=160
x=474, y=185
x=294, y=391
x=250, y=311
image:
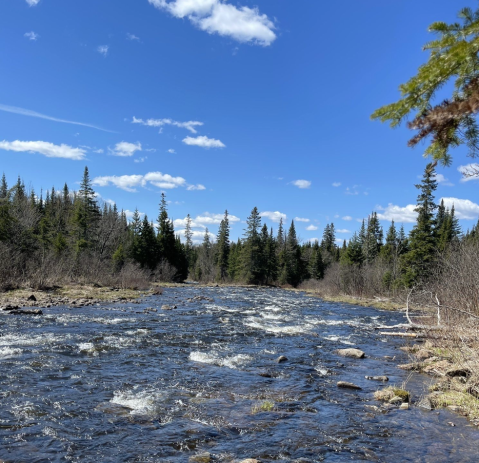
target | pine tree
x=252, y=253
x=223, y=246
x=3, y=188
x=166, y=235
x=293, y=262
x=189, y=239
x=317, y=265
x=417, y=262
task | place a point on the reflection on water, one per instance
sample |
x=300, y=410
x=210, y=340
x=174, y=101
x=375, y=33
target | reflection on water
x=115, y=384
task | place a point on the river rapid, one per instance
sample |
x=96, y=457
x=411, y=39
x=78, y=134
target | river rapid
x=123, y=383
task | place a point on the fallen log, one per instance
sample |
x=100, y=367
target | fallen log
x=406, y=335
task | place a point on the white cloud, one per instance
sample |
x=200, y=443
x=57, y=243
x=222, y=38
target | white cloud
x=142, y=159
x=42, y=147
x=197, y=235
x=99, y=151
x=171, y=151
x=443, y=180
x=189, y=125
x=132, y=37
x=302, y=183
x=352, y=191
x=311, y=227
x=125, y=149
x=336, y=184
x=347, y=217
x=299, y=219
x=104, y=200
x=204, y=142
x=205, y=220
x=33, y=2
x=469, y=172
x=131, y=182
x=400, y=214
x=129, y=214
x=343, y=230
x=31, y=35
x=196, y=187
x=103, y=49
x=464, y=208
x=274, y=216
x=28, y=112
x=216, y=17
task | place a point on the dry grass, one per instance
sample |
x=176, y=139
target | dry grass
x=390, y=392
x=266, y=406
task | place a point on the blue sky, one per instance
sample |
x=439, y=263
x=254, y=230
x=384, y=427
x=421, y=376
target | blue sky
x=221, y=105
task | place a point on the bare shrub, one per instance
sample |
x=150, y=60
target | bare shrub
x=165, y=272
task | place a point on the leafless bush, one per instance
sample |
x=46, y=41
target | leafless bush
x=131, y=276
x=165, y=272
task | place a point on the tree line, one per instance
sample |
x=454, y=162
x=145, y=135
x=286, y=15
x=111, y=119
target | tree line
x=68, y=236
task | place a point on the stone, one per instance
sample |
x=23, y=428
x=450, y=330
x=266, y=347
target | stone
x=395, y=400
x=250, y=460
x=347, y=385
x=27, y=312
x=200, y=458
x=166, y=307
x=404, y=406
x=454, y=372
x=32, y=298
x=281, y=359
x=377, y=378
x=353, y=353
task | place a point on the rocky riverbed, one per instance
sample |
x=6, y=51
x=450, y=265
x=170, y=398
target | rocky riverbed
x=216, y=374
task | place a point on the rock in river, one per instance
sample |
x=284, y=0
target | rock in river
x=353, y=353
x=200, y=458
x=347, y=385
x=377, y=378
x=281, y=359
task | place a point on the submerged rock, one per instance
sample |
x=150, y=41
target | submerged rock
x=281, y=359
x=346, y=385
x=31, y=298
x=166, y=307
x=200, y=458
x=351, y=352
x=404, y=406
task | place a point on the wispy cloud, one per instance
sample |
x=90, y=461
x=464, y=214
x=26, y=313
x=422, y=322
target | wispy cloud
x=28, y=112
x=142, y=159
x=33, y=2
x=42, y=147
x=132, y=37
x=196, y=187
x=171, y=151
x=303, y=184
x=347, y=217
x=216, y=17
x=343, y=230
x=300, y=219
x=31, y=35
x=311, y=227
x=125, y=149
x=103, y=49
x=189, y=125
x=336, y=184
x=204, y=142
x=274, y=216
x=443, y=180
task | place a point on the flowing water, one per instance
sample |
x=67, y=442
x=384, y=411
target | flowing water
x=119, y=383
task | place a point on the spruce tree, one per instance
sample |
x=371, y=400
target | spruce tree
x=166, y=235
x=252, y=252
x=223, y=246
x=3, y=188
x=417, y=262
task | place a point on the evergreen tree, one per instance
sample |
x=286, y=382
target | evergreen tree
x=252, y=252
x=317, y=266
x=223, y=246
x=293, y=262
x=86, y=212
x=422, y=242
x=189, y=240
x=3, y=188
x=166, y=235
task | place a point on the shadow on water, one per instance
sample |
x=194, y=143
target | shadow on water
x=121, y=384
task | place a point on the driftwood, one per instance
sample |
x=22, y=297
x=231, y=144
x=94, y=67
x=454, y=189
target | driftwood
x=406, y=335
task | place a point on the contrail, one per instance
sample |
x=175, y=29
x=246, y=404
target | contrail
x=28, y=112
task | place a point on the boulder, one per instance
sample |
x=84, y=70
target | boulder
x=377, y=378
x=351, y=352
x=454, y=372
x=404, y=406
x=32, y=298
x=281, y=359
x=166, y=307
x=346, y=385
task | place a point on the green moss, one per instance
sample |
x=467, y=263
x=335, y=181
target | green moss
x=401, y=393
x=466, y=402
x=266, y=406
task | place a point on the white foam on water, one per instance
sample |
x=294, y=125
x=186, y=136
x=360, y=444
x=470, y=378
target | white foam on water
x=29, y=340
x=273, y=308
x=7, y=352
x=213, y=358
x=340, y=339
x=286, y=329
x=271, y=316
x=140, y=403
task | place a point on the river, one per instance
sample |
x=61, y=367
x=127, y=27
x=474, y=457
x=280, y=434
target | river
x=123, y=383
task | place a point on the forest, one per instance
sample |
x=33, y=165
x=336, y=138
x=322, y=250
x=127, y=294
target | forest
x=66, y=236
